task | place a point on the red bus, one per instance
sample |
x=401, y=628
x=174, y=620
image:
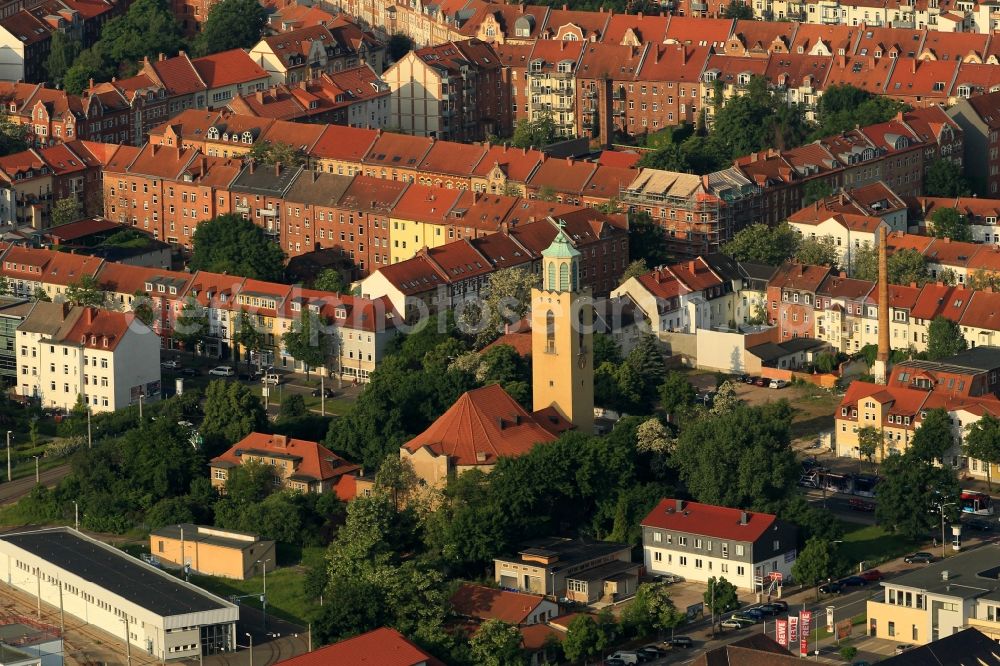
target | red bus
x=977, y=503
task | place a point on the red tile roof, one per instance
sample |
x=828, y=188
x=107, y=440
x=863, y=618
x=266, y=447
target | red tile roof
x=939, y=299
x=487, y=603
x=983, y=311
x=101, y=329
x=715, y=521
x=315, y=460
x=177, y=74
x=483, y=425
x=398, y=150
x=453, y=158
x=381, y=647
x=338, y=142
x=799, y=276
x=228, y=67
x=618, y=158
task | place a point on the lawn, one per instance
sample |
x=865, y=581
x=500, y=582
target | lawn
x=285, y=597
x=871, y=544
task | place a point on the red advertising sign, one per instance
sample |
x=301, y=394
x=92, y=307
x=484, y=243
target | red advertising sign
x=793, y=630
x=805, y=621
x=781, y=632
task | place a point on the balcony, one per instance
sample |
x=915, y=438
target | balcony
x=269, y=212
x=699, y=6
x=241, y=208
x=562, y=75
x=906, y=24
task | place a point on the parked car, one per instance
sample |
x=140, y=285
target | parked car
x=669, y=579
x=900, y=649
x=831, y=588
x=778, y=384
x=613, y=662
x=733, y=623
x=680, y=642
x=750, y=379
x=872, y=575
x=780, y=604
x=853, y=581
x=772, y=609
x=919, y=558
x=754, y=614
x=170, y=365
x=272, y=378
x=761, y=381
x=652, y=652
x=861, y=504
x=327, y=393
x=745, y=618
x=188, y=372
x=221, y=371
x=626, y=657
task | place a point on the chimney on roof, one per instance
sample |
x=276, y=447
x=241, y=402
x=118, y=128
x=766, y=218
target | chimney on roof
x=744, y=517
x=679, y=505
x=280, y=441
x=843, y=275
x=204, y=165
x=260, y=96
x=913, y=285
x=277, y=169
x=500, y=422
x=161, y=57
x=692, y=266
x=66, y=307
x=871, y=62
x=565, y=7
x=315, y=175
x=913, y=65
x=153, y=147
x=841, y=61
x=91, y=84
x=251, y=165
x=88, y=315
x=520, y=8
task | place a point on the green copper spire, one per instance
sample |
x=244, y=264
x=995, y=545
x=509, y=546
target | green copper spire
x=561, y=247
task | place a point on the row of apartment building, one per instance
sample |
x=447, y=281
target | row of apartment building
x=214, y=303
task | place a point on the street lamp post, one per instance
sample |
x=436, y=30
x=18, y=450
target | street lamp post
x=10, y=476
x=76, y=515
x=941, y=507
x=128, y=642
x=263, y=599
x=90, y=442
x=250, y=638
x=37, y=477
x=141, y=396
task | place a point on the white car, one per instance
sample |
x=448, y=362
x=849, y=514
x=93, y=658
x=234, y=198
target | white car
x=778, y=384
x=222, y=371
x=173, y=365
x=272, y=378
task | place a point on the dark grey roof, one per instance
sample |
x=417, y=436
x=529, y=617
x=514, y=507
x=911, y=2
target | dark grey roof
x=769, y=351
x=317, y=188
x=265, y=179
x=969, y=647
x=115, y=571
x=971, y=574
x=571, y=552
x=758, y=271
x=606, y=571
x=724, y=265
x=979, y=359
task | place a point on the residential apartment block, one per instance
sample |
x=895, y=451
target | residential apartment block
x=111, y=359
x=702, y=541
x=455, y=91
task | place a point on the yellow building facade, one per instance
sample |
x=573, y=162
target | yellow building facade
x=562, y=350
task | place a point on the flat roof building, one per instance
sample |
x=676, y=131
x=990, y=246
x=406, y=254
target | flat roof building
x=212, y=551
x=99, y=584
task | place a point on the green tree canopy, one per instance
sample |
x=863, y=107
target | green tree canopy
x=814, y=564
x=497, y=643
x=229, y=244
x=944, y=179
x=277, y=152
x=399, y=45
x=148, y=28
x=646, y=240
x=761, y=244
x=232, y=412
x=535, y=133
x=934, y=438
x=651, y=611
x=820, y=251
x=944, y=339
x=740, y=459
x=330, y=279
x=848, y=107
x=231, y=24
x=912, y=492
x=758, y=119
x=982, y=442
x=738, y=10
x=86, y=291
x=66, y=210
x=308, y=341
x=949, y=223
x=504, y=300
x=905, y=266
x=981, y=279
x=63, y=50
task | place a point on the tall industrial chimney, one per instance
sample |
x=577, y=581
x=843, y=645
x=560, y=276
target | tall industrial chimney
x=881, y=367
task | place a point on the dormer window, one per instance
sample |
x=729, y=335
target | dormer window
x=160, y=288
x=149, y=286
x=743, y=79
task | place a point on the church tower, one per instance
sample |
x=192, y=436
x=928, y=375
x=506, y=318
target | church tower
x=562, y=349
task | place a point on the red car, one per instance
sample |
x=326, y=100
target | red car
x=872, y=575
x=761, y=381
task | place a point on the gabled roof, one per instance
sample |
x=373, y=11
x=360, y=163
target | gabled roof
x=563, y=175
x=101, y=329
x=228, y=68
x=487, y=603
x=938, y=299
x=983, y=311
x=450, y=157
x=792, y=275
x=646, y=29
x=840, y=286
x=612, y=61
x=338, y=142
x=288, y=46
x=381, y=647
x=129, y=279
x=720, y=522
x=517, y=163
x=698, y=31
x=178, y=74
x=312, y=460
x=398, y=150
x=483, y=425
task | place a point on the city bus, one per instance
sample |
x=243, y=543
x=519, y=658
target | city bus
x=977, y=503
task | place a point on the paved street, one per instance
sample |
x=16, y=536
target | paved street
x=12, y=491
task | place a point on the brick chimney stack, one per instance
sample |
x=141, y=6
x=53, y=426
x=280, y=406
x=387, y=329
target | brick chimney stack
x=881, y=367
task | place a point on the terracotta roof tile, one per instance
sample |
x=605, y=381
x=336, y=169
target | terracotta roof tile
x=381, y=647
x=706, y=519
x=314, y=460
x=487, y=603
x=228, y=68
x=483, y=425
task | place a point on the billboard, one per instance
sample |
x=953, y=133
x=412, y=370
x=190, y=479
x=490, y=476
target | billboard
x=805, y=623
x=781, y=632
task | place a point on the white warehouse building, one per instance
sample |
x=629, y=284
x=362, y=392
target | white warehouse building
x=165, y=617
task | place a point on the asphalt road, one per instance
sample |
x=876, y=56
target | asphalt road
x=12, y=491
